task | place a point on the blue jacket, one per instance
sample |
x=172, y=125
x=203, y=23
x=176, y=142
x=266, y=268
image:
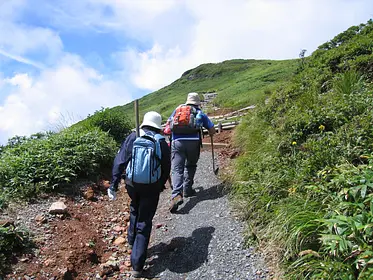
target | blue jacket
x=207, y=123
x=124, y=156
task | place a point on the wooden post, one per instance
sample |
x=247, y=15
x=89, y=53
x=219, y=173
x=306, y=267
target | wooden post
x=220, y=127
x=137, y=118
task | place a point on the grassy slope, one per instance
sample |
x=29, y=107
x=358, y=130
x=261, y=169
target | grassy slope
x=238, y=83
x=307, y=160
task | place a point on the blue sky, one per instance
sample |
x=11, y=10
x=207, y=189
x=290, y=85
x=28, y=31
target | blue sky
x=62, y=60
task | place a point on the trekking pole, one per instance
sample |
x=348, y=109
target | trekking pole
x=137, y=117
x=213, y=157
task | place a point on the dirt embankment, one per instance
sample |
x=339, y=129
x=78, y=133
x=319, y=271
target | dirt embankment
x=86, y=242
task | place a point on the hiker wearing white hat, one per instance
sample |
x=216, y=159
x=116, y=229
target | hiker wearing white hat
x=186, y=123
x=146, y=160
x=193, y=99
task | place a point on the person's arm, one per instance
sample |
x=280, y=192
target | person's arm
x=121, y=160
x=208, y=124
x=171, y=116
x=165, y=162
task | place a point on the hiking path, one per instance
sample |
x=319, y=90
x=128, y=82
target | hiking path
x=204, y=239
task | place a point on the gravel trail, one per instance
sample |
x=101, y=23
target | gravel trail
x=203, y=240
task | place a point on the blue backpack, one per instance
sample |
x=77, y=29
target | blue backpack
x=145, y=165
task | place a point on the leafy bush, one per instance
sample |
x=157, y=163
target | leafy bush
x=113, y=121
x=42, y=164
x=11, y=242
x=346, y=228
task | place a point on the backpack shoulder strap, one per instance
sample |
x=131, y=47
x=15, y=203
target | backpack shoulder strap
x=158, y=137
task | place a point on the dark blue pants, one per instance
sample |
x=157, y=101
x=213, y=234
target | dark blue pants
x=142, y=210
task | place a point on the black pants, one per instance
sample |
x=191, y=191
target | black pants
x=142, y=210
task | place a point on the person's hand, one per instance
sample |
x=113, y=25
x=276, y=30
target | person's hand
x=211, y=131
x=112, y=194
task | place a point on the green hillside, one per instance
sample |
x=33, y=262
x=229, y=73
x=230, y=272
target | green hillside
x=238, y=83
x=305, y=178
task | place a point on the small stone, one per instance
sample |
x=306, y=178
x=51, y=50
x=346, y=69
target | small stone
x=7, y=223
x=89, y=194
x=40, y=219
x=49, y=262
x=123, y=268
x=58, y=207
x=105, y=184
x=127, y=263
x=159, y=226
x=119, y=240
x=60, y=216
x=119, y=229
x=113, y=220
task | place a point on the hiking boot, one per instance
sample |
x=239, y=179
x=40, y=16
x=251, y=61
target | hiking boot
x=190, y=193
x=136, y=274
x=175, y=202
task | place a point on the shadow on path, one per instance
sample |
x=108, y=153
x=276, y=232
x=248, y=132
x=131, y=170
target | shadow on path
x=181, y=255
x=212, y=193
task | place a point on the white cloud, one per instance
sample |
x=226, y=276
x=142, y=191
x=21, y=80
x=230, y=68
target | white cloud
x=18, y=39
x=150, y=67
x=38, y=103
x=129, y=15
x=22, y=59
x=216, y=30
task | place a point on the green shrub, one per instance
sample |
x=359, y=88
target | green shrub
x=11, y=242
x=42, y=164
x=114, y=121
x=346, y=229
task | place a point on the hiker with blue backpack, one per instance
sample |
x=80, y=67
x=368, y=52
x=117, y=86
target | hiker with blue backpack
x=146, y=160
x=186, y=123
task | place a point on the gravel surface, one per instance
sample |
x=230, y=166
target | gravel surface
x=202, y=240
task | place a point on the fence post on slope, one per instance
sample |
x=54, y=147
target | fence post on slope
x=137, y=117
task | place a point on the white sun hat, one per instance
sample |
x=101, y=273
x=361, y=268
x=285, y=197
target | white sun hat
x=193, y=99
x=152, y=119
